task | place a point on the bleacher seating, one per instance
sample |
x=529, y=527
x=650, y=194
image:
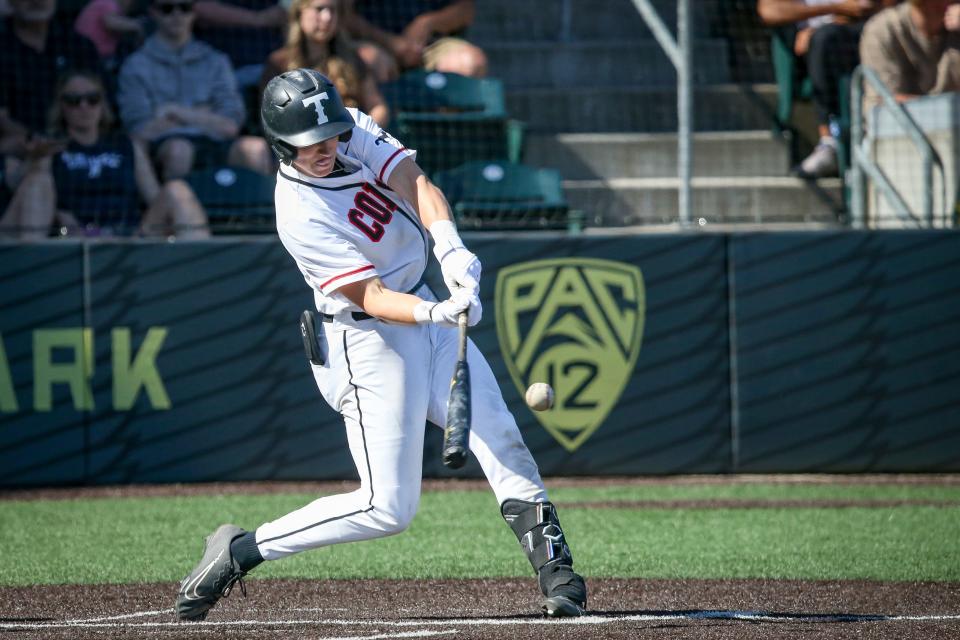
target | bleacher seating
x=451, y=119
x=237, y=200
x=505, y=195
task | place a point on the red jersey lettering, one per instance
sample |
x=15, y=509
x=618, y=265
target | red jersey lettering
x=371, y=203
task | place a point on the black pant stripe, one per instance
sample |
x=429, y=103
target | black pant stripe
x=363, y=434
x=366, y=455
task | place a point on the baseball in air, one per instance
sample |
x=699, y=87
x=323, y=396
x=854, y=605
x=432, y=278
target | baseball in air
x=539, y=396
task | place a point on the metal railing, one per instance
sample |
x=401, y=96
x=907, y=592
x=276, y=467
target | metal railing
x=679, y=51
x=862, y=166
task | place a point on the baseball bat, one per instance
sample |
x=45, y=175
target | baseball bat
x=456, y=434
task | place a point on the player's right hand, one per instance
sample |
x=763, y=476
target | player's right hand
x=445, y=313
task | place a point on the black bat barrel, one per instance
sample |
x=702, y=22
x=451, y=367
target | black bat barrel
x=457, y=432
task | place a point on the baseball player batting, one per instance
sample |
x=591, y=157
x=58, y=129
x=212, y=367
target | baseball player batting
x=356, y=213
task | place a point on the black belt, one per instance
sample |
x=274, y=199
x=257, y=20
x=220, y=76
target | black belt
x=357, y=315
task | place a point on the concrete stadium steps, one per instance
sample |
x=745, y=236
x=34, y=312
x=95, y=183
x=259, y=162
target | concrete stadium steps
x=585, y=156
x=723, y=107
x=600, y=63
x=559, y=20
x=635, y=201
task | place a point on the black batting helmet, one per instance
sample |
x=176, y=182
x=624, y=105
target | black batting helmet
x=301, y=108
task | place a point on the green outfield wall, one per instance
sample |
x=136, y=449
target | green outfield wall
x=670, y=353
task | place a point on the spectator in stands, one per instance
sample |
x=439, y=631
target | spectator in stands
x=91, y=182
x=914, y=48
x=826, y=34
x=315, y=40
x=35, y=49
x=107, y=23
x=246, y=30
x=415, y=33
x=180, y=95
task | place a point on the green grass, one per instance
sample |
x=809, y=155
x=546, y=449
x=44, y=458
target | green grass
x=461, y=534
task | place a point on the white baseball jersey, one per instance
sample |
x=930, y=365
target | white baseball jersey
x=351, y=227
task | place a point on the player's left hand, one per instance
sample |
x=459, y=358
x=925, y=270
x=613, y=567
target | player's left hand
x=461, y=270
x=474, y=309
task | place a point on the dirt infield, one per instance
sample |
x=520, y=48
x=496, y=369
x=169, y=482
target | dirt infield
x=472, y=609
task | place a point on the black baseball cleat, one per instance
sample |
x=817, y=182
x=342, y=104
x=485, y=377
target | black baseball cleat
x=213, y=578
x=565, y=592
x=562, y=607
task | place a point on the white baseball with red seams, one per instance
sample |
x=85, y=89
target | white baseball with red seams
x=539, y=396
x=386, y=380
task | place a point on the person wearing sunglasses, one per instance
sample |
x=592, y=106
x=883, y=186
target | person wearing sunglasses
x=34, y=49
x=180, y=95
x=92, y=181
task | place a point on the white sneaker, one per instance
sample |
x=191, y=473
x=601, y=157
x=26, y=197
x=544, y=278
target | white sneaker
x=822, y=161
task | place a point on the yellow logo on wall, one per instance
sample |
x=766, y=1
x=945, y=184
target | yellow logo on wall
x=577, y=324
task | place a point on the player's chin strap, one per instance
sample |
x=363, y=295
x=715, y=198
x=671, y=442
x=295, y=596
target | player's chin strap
x=537, y=527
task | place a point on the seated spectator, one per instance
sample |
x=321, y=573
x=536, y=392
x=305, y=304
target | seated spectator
x=825, y=36
x=415, y=33
x=315, y=40
x=914, y=48
x=246, y=30
x=180, y=95
x=107, y=23
x=35, y=49
x=90, y=182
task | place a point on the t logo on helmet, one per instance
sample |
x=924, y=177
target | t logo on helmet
x=321, y=114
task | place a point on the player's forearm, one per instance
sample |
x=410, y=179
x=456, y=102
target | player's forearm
x=377, y=300
x=393, y=306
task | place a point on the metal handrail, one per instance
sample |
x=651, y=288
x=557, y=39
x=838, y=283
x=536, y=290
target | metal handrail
x=679, y=51
x=862, y=164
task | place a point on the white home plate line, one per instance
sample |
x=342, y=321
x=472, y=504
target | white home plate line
x=400, y=634
x=125, y=616
x=755, y=616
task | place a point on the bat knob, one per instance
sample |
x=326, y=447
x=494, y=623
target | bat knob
x=454, y=458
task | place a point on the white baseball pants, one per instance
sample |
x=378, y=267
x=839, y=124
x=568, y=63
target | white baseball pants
x=386, y=380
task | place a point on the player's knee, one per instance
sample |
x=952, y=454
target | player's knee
x=396, y=517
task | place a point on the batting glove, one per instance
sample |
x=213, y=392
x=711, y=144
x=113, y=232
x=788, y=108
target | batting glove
x=460, y=267
x=446, y=313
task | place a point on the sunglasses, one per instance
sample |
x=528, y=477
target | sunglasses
x=74, y=99
x=166, y=8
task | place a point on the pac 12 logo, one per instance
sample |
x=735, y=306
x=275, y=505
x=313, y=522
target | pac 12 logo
x=577, y=324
